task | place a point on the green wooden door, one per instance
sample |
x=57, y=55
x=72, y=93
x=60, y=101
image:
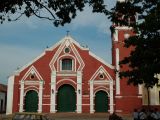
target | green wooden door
x=66, y=99
x=31, y=101
x=101, y=102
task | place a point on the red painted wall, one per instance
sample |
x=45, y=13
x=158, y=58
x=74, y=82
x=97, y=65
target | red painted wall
x=128, y=99
x=42, y=65
x=43, y=68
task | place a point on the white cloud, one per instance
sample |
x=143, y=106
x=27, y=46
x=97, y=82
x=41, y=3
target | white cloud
x=31, y=23
x=12, y=56
x=87, y=18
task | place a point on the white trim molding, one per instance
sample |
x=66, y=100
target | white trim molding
x=21, y=96
x=79, y=92
x=117, y=73
x=53, y=92
x=59, y=62
x=10, y=90
x=40, y=94
x=32, y=70
x=115, y=35
x=140, y=89
x=101, y=69
x=108, y=81
x=69, y=42
x=30, y=63
x=101, y=60
x=91, y=98
x=111, y=97
x=123, y=28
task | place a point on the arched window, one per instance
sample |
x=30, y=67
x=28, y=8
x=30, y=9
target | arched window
x=66, y=64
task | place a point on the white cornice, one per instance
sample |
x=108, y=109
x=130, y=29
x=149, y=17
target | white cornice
x=69, y=42
x=72, y=40
x=101, y=60
x=101, y=68
x=30, y=63
x=32, y=69
x=123, y=28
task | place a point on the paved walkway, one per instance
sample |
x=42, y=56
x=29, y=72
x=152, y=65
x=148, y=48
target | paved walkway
x=85, y=116
x=75, y=116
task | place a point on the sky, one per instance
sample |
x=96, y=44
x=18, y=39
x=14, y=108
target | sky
x=25, y=39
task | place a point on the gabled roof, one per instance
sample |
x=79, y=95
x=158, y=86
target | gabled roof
x=101, y=69
x=65, y=39
x=66, y=42
x=32, y=70
x=72, y=40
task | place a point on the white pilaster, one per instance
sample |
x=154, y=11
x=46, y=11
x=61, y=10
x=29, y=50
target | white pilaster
x=153, y=96
x=140, y=89
x=53, y=92
x=79, y=92
x=40, y=96
x=111, y=97
x=91, y=98
x=117, y=73
x=115, y=35
x=21, y=96
x=10, y=90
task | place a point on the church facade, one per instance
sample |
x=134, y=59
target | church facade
x=69, y=78
x=65, y=78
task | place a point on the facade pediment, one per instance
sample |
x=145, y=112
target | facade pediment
x=67, y=50
x=32, y=75
x=67, y=67
x=101, y=76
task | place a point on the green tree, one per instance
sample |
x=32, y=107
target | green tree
x=57, y=11
x=144, y=59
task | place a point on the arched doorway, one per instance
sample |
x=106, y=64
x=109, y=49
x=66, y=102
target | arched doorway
x=101, y=102
x=66, y=99
x=31, y=101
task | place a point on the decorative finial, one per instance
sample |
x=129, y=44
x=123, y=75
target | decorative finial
x=67, y=32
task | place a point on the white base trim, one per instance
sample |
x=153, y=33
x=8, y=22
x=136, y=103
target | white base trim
x=53, y=111
x=119, y=111
x=139, y=96
x=118, y=96
x=92, y=111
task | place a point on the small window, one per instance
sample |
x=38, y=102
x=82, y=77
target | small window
x=101, y=76
x=67, y=50
x=32, y=76
x=67, y=64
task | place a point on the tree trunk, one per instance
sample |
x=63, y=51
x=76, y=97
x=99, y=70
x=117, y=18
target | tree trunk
x=148, y=95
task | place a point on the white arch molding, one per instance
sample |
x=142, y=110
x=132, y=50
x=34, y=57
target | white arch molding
x=110, y=94
x=78, y=91
x=22, y=95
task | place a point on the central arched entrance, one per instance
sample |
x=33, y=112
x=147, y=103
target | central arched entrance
x=66, y=99
x=31, y=101
x=101, y=101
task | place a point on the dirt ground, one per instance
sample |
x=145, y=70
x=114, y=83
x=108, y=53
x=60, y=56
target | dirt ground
x=74, y=116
